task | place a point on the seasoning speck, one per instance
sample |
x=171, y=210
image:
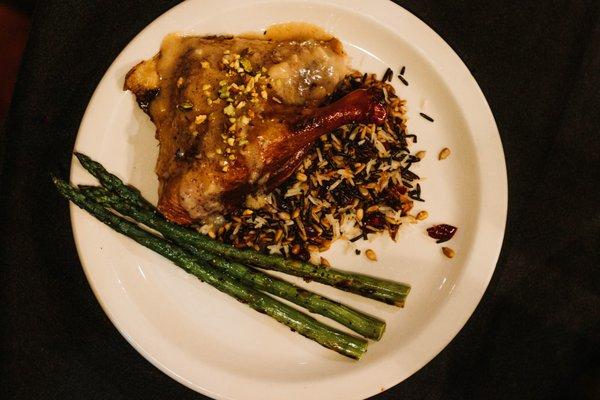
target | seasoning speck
x=448, y=252
x=357, y=252
x=371, y=255
x=444, y=153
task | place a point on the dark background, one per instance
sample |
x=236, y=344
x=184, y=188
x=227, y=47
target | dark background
x=535, y=334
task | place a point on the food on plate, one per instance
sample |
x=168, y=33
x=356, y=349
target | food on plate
x=441, y=232
x=192, y=251
x=355, y=181
x=271, y=148
x=274, y=142
x=309, y=327
x=378, y=289
x=234, y=114
x=448, y=252
x=444, y=153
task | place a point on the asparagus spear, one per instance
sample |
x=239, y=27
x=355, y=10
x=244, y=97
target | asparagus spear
x=387, y=291
x=326, y=336
x=113, y=183
x=363, y=324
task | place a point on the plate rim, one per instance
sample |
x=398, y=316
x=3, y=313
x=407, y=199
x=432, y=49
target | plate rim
x=434, y=40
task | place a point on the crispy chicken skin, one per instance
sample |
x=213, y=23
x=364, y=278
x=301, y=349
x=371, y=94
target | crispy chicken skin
x=236, y=114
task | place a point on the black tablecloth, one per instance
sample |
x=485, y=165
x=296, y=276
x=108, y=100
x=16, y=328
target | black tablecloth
x=535, y=333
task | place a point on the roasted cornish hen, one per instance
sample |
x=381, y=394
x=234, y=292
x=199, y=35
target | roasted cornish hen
x=236, y=114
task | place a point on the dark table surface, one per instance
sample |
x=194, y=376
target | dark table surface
x=535, y=334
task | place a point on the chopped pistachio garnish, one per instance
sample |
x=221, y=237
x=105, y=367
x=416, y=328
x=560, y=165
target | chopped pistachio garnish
x=241, y=104
x=219, y=151
x=231, y=141
x=246, y=64
x=249, y=85
x=244, y=120
x=200, y=119
x=206, y=86
x=185, y=106
x=205, y=64
x=180, y=81
x=224, y=92
x=229, y=110
x=264, y=94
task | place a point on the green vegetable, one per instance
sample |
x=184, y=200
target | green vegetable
x=363, y=324
x=113, y=183
x=387, y=291
x=326, y=336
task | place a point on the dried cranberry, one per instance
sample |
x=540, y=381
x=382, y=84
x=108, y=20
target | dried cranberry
x=375, y=220
x=393, y=195
x=442, y=232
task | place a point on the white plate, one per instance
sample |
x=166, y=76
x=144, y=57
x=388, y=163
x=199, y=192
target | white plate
x=221, y=348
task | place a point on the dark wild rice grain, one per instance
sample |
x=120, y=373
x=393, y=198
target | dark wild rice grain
x=403, y=80
x=427, y=117
x=387, y=76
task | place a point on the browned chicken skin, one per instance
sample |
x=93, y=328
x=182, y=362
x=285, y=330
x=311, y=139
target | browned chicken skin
x=234, y=115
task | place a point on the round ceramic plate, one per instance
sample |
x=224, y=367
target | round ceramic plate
x=219, y=347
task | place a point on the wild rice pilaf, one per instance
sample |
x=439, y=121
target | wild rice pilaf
x=356, y=181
